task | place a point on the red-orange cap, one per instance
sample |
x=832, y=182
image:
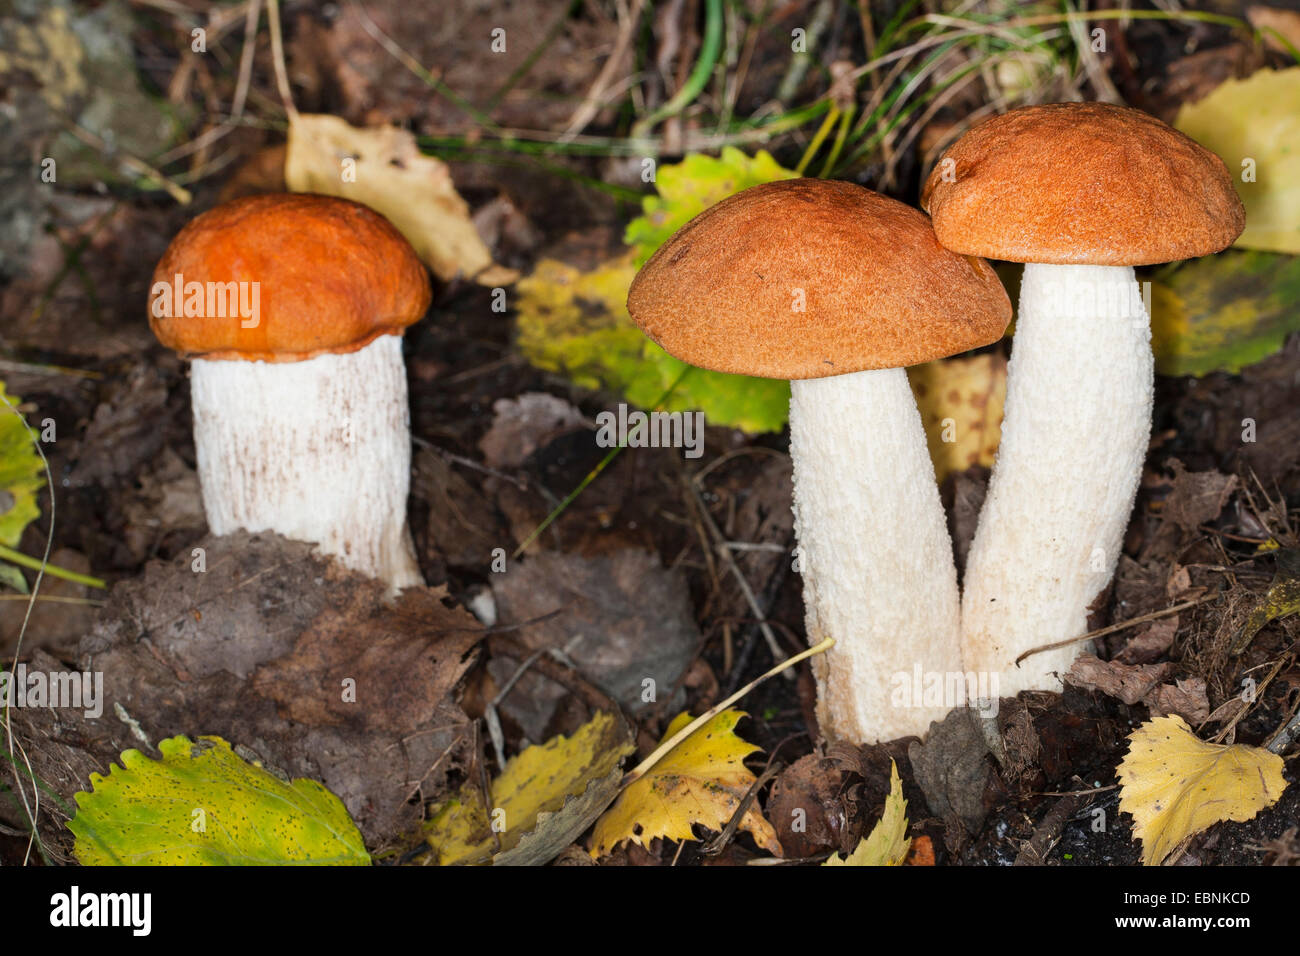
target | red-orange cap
x=331, y=276
x=1082, y=183
x=808, y=278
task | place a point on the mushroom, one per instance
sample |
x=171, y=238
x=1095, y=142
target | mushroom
x=1081, y=193
x=839, y=289
x=291, y=309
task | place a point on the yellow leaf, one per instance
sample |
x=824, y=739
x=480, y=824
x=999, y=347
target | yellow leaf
x=961, y=401
x=557, y=784
x=383, y=168
x=700, y=781
x=1175, y=784
x=1254, y=125
x=888, y=843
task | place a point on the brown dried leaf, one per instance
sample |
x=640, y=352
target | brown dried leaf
x=1186, y=698
x=1149, y=643
x=524, y=424
x=1198, y=496
x=807, y=810
x=1129, y=683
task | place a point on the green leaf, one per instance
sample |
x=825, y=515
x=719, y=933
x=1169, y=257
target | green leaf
x=12, y=578
x=577, y=323
x=201, y=804
x=1223, y=312
x=1254, y=125
x=22, y=473
x=692, y=186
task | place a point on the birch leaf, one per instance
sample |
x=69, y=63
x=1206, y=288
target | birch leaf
x=1175, y=785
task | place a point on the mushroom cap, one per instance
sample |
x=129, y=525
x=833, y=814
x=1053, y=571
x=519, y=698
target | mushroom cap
x=876, y=288
x=332, y=276
x=1082, y=183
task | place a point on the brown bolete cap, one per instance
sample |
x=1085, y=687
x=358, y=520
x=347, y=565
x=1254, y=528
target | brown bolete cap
x=808, y=278
x=1082, y=183
x=332, y=276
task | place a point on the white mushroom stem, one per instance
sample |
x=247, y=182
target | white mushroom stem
x=1078, y=416
x=876, y=559
x=317, y=450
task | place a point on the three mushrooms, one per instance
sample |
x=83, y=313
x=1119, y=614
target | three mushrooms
x=301, y=414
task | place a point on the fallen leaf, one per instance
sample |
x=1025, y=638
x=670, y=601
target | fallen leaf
x=1282, y=600
x=688, y=188
x=701, y=782
x=633, y=617
x=1253, y=125
x=960, y=400
x=952, y=770
x=1223, y=312
x=922, y=852
x=273, y=644
x=463, y=527
x=203, y=805
x=806, y=807
x=1198, y=496
x=1175, y=785
x=22, y=473
x=577, y=323
x=887, y=844
x=1186, y=698
x=383, y=168
x=543, y=799
x=1148, y=644
x=522, y=425
x=1127, y=682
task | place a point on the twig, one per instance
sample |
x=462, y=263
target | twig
x=277, y=58
x=1287, y=735
x=719, y=843
x=1122, y=626
x=1259, y=695
x=778, y=653
x=1048, y=833
x=17, y=557
x=490, y=716
x=133, y=163
x=246, y=60
x=641, y=769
